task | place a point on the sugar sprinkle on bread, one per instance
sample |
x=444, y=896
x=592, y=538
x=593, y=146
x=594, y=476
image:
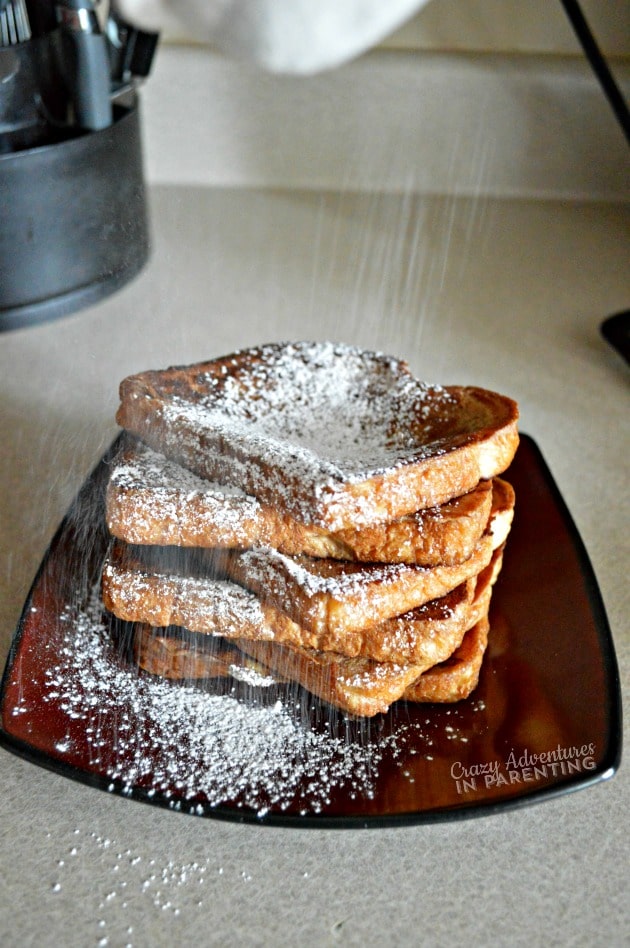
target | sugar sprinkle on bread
x=316, y=510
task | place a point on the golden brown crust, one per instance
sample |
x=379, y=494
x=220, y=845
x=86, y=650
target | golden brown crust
x=216, y=608
x=159, y=586
x=423, y=635
x=333, y=597
x=458, y=676
x=177, y=659
x=354, y=685
x=419, y=636
x=445, y=535
x=366, y=688
x=357, y=686
x=446, y=670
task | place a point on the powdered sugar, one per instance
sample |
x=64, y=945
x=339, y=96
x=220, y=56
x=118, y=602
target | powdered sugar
x=341, y=409
x=197, y=602
x=153, y=499
x=334, y=578
x=199, y=750
x=317, y=414
x=331, y=434
x=148, y=469
x=251, y=677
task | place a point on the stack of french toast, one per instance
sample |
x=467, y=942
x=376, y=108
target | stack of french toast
x=313, y=512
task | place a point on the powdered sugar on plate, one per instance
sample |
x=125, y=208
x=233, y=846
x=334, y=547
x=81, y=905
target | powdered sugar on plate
x=195, y=749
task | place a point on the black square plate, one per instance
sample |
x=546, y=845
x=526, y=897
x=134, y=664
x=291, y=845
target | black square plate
x=545, y=718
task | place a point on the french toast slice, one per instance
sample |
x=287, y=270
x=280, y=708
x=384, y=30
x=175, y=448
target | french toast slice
x=456, y=677
x=166, y=586
x=446, y=671
x=355, y=686
x=364, y=688
x=179, y=655
x=186, y=655
x=333, y=597
x=331, y=434
x=152, y=500
x=159, y=586
x=165, y=596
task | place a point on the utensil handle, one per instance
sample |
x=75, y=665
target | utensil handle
x=86, y=63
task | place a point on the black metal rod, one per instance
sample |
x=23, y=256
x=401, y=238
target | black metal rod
x=598, y=63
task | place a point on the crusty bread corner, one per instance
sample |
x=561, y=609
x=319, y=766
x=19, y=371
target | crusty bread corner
x=260, y=419
x=457, y=677
x=428, y=483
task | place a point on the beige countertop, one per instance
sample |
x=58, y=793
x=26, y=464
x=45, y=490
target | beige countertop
x=507, y=294
x=514, y=304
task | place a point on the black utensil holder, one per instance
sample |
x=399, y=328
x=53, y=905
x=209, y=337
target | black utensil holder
x=73, y=221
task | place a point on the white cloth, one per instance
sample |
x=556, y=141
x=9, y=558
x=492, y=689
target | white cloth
x=292, y=36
